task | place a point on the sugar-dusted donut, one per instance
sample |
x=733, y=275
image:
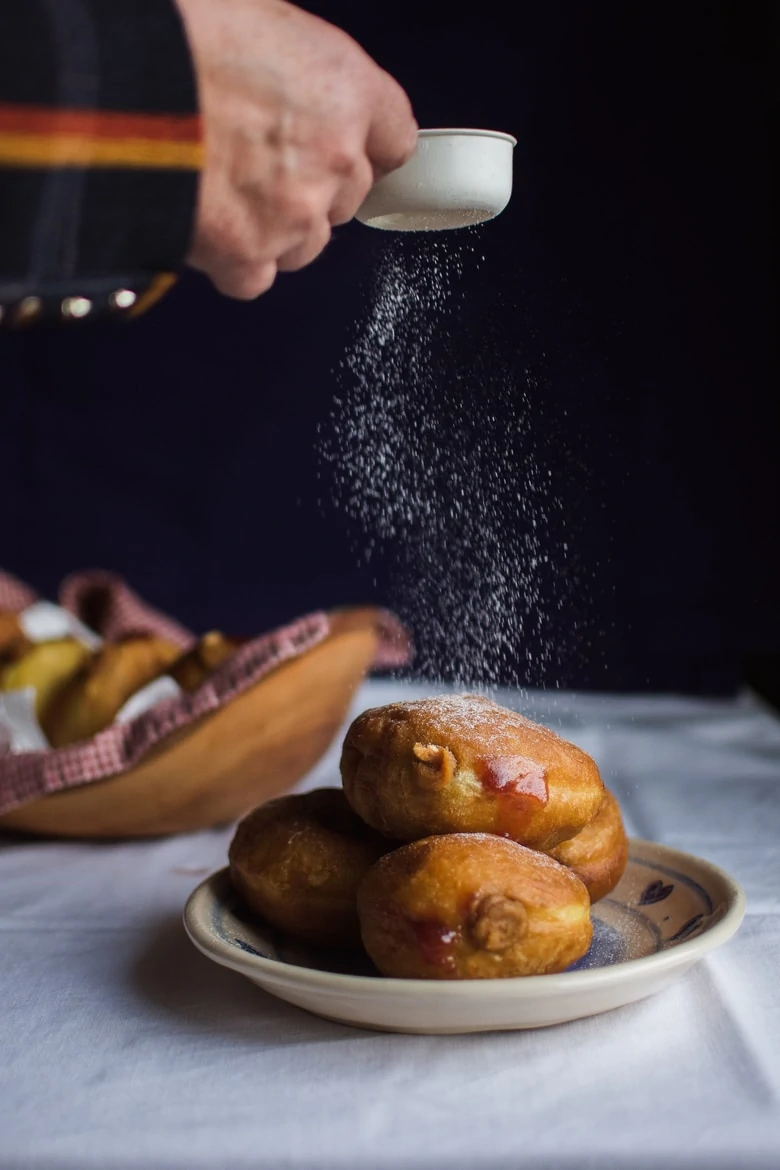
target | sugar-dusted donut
x=461, y=763
x=298, y=860
x=599, y=853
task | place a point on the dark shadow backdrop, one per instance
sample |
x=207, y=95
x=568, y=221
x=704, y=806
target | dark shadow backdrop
x=632, y=270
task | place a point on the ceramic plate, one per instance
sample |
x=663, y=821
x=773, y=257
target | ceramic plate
x=669, y=910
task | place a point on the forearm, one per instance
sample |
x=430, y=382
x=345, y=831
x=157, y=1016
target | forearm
x=99, y=153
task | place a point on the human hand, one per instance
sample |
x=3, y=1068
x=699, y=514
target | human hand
x=299, y=123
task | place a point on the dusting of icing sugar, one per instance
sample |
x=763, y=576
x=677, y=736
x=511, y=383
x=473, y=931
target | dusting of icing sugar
x=432, y=454
x=469, y=715
x=494, y=734
x=494, y=843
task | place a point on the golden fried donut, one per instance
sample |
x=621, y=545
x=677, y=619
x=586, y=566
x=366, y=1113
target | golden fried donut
x=13, y=640
x=209, y=652
x=462, y=764
x=472, y=906
x=46, y=666
x=298, y=861
x=91, y=698
x=599, y=853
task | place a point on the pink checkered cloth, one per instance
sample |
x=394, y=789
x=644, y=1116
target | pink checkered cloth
x=107, y=605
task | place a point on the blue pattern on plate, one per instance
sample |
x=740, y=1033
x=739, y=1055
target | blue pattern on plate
x=678, y=877
x=607, y=947
x=624, y=927
x=688, y=928
x=655, y=892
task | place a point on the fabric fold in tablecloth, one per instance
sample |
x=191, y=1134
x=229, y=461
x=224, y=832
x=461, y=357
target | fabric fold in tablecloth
x=126, y=1049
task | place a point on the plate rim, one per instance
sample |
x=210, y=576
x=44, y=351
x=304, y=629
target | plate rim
x=526, y=986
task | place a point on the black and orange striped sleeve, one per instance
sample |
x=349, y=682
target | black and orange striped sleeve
x=100, y=151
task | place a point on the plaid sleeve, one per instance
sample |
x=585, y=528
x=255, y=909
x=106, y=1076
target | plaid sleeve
x=100, y=150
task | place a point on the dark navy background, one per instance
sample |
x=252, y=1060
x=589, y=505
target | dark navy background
x=632, y=269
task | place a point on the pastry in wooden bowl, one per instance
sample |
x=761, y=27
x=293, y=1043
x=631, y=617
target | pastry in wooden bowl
x=472, y=906
x=463, y=764
x=213, y=771
x=298, y=861
x=599, y=853
x=193, y=668
x=45, y=666
x=13, y=640
x=92, y=697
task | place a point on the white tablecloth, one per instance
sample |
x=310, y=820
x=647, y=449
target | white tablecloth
x=121, y=1047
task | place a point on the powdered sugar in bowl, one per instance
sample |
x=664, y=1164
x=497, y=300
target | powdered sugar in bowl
x=456, y=177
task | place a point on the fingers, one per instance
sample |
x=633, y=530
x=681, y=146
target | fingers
x=303, y=228
x=243, y=284
x=349, y=194
x=290, y=231
x=392, y=135
x=234, y=277
x=290, y=157
x=352, y=192
x=309, y=218
x=308, y=250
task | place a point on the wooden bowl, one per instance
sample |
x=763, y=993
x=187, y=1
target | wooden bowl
x=256, y=747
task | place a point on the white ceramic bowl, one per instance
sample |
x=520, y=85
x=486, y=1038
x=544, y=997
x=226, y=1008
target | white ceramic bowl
x=455, y=178
x=668, y=911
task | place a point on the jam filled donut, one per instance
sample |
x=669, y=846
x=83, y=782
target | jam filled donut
x=298, y=860
x=599, y=853
x=462, y=764
x=93, y=696
x=472, y=906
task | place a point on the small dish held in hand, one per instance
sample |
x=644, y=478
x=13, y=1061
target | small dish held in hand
x=668, y=911
x=455, y=178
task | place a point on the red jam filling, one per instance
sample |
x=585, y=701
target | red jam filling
x=434, y=941
x=514, y=776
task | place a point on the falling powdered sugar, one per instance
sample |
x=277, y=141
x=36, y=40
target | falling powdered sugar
x=431, y=452
x=474, y=719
